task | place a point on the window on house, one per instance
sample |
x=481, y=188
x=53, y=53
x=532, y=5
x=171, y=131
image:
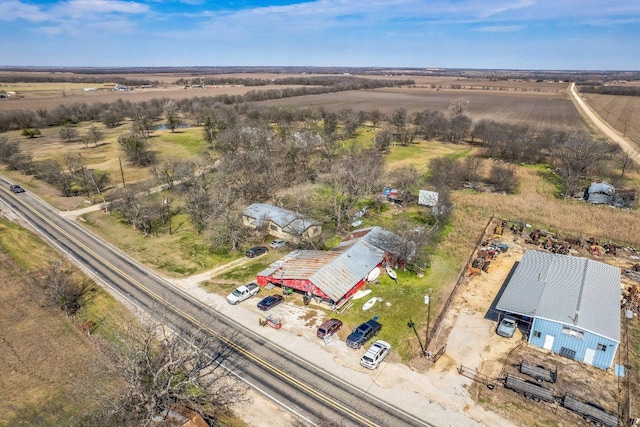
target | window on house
x=573, y=332
x=566, y=352
x=536, y=334
x=602, y=347
x=273, y=227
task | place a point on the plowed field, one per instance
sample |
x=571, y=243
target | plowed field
x=536, y=109
x=621, y=112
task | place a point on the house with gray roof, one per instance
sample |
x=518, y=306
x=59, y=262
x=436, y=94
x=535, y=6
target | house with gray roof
x=281, y=223
x=571, y=305
x=336, y=274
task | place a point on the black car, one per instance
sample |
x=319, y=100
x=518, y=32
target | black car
x=16, y=188
x=257, y=251
x=362, y=333
x=269, y=302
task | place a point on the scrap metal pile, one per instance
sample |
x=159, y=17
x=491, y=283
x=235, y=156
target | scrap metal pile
x=489, y=251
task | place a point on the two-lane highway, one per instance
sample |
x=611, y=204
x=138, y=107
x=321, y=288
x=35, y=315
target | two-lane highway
x=307, y=390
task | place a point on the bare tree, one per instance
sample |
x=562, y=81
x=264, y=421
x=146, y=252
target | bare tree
x=446, y=173
x=226, y=229
x=503, y=177
x=136, y=149
x=60, y=289
x=625, y=160
x=52, y=172
x=410, y=244
x=577, y=157
x=459, y=126
x=471, y=168
x=198, y=203
x=164, y=370
x=457, y=107
x=68, y=132
x=430, y=124
x=349, y=178
x=94, y=136
x=382, y=139
x=404, y=177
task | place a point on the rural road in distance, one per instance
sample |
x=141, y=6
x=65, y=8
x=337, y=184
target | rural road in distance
x=604, y=127
x=307, y=390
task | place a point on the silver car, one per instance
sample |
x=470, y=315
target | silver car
x=507, y=327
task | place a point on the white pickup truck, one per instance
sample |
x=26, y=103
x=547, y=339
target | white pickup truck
x=242, y=293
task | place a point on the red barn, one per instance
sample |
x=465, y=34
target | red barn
x=336, y=274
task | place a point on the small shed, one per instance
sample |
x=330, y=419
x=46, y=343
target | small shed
x=600, y=193
x=428, y=198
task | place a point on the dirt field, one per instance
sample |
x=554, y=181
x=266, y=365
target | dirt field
x=50, y=371
x=53, y=97
x=621, y=112
x=515, y=101
x=553, y=109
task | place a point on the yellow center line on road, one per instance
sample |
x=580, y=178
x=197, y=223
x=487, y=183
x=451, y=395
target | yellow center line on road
x=268, y=366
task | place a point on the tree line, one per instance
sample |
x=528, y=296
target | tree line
x=41, y=78
x=611, y=90
x=112, y=114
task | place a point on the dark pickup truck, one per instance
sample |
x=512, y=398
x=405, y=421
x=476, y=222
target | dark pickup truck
x=363, y=333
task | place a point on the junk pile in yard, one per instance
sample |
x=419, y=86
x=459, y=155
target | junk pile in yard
x=548, y=241
x=490, y=249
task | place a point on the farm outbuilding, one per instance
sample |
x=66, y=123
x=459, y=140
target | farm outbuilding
x=570, y=304
x=281, y=223
x=336, y=274
x=600, y=193
x=428, y=198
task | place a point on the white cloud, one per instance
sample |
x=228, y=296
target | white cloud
x=15, y=10
x=79, y=8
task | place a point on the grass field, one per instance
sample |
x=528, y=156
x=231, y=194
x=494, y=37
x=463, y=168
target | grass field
x=52, y=373
x=621, y=112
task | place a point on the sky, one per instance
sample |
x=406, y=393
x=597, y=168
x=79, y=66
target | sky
x=519, y=34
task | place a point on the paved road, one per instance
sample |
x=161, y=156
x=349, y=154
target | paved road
x=308, y=390
x=603, y=126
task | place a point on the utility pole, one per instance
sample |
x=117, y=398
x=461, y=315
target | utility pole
x=84, y=177
x=121, y=172
x=427, y=301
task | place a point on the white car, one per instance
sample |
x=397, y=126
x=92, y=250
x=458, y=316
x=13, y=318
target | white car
x=277, y=244
x=376, y=353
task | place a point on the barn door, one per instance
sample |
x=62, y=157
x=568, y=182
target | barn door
x=589, y=355
x=548, y=342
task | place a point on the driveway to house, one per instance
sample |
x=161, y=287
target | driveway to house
x=603, y=126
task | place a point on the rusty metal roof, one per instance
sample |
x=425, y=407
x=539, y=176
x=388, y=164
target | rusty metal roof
x=338, y=270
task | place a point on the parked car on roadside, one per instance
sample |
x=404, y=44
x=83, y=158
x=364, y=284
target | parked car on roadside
x=257, y=251
x=16, y=188
x=376, y=353
x=267, y=303
x=243, y=292
x=363, y=333
x=329, y=327
x=507, y=327
x=276, y=244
